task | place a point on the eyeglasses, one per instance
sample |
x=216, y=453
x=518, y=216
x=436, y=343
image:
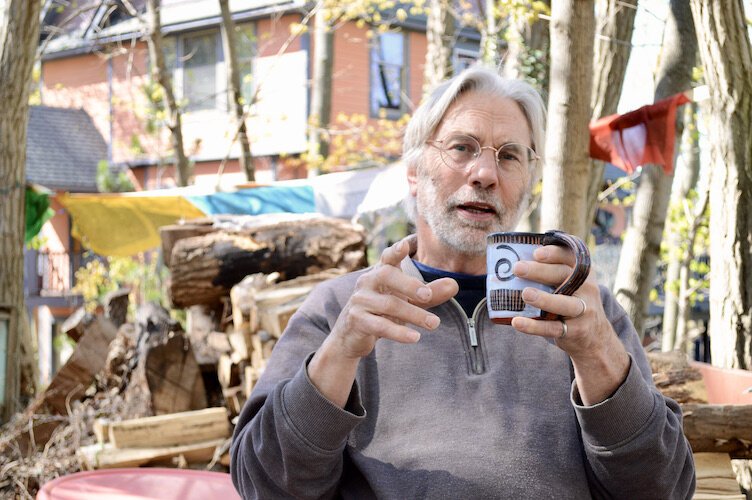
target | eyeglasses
x=460, y=152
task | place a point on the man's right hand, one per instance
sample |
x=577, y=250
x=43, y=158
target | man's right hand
x=385, y=301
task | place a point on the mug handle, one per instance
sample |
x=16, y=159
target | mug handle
x=581, y=266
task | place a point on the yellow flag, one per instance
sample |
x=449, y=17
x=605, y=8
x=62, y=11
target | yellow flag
x=121, y=224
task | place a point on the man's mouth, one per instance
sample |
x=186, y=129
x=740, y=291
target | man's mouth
x=477, y=208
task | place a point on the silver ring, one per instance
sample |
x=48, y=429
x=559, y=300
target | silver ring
x=584, y=307
x=563, y=329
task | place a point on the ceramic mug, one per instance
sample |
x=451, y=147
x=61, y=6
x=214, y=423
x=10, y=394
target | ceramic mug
x=504, y=289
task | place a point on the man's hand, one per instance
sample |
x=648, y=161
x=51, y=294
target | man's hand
x=383, y=305
x=600, y=360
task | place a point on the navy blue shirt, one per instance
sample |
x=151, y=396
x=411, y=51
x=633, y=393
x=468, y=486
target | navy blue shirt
x=472, y=287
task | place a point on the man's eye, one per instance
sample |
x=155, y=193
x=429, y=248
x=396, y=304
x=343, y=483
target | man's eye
x=461, y=148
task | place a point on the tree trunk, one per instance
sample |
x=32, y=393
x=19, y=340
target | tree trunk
x=684, y=181
x=204, y=268
x=234, y=94
x=440, y=29
x=612, y=50
x=727, y=61
x=639, y=255
x=566, y=169
x=321, y=90
x=528, y=41
x=489, y=43
x=19, y=35
x=161, y=75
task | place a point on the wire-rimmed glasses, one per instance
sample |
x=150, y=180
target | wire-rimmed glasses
x=460, y=152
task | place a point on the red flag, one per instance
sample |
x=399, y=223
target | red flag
x=645, y=135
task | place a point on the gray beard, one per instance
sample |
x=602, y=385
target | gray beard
x=461, y=235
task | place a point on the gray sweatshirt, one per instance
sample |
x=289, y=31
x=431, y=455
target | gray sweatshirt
x=473, y=410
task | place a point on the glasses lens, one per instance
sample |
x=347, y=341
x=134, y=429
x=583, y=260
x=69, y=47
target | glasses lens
x=459, y=150
x=514, y=157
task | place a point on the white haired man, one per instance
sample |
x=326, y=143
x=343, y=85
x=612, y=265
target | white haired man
x=392, y=382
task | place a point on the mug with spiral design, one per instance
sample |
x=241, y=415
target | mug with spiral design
x=504, y=289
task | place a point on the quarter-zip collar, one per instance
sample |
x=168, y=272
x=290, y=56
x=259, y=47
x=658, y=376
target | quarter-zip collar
x=472, y=329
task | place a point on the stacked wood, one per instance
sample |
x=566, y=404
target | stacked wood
x=166, y=377
x=116, y=305
x=715, y=478
x=204, y=268
x=36, y=424
x=194, y=436
x=676, y=378
x=75, y=325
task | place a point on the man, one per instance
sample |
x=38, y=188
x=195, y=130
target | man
x=392, y=382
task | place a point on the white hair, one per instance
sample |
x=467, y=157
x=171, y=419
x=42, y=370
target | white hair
x=477, y=78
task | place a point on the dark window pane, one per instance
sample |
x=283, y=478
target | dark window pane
x=199, y=71
x=387, y=63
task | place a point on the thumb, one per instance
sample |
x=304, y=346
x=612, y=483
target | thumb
x=442, y=290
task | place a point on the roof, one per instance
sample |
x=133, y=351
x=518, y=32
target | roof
x=63, y=148
x=82, y=26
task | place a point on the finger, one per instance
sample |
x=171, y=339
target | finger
x=393, y=255
x=563, y=305
x=554, y=254
x=381, y=327
x=387, y=279
x=396, y=308
x=442, y=290
x=541, y=328
x=547, y=274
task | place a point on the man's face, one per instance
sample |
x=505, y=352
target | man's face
x=459, y=208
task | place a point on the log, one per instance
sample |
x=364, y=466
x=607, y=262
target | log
x=676, y=378
x=715, y=478
x=116, y=306
x=201, y=322
x=174, y=429
x=172, y=233
x=69, y=384
x=106, y=456
x=719, y=428
x=204, y=268
x=167, y=377
x=75, y=325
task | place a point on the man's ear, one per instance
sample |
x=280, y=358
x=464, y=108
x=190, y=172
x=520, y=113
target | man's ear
x=412, y=178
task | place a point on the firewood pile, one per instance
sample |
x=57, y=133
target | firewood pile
x=149, y=392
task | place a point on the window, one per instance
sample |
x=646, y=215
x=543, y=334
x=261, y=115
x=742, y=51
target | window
x=245, y=51
x=199, y=61
x=463, y=58
x=388, y=79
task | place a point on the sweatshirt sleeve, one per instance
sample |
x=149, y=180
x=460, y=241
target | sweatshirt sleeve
x=289, y=439
x=634, y=440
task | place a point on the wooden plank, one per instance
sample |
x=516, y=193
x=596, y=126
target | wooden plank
x=715, y=478
x=101, y=428
x=719, y=428
x=170, y=430
x=106, y=456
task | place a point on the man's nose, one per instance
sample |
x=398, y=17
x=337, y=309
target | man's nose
x=485, y=172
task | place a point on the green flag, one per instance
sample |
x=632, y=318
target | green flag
x=38, y=212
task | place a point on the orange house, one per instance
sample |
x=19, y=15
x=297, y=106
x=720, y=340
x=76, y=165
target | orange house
x=101, y=64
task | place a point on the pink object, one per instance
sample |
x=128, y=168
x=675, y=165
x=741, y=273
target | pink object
x=140, y=484
x=726, y=386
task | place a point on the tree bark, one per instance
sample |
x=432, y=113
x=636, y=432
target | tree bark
x=440, y=29
x=612, y=50
x=234, y=94
x=684, y=181
x=489, y=43
x=321, y=89
x=161, y=75
x=19, y=35
x=205, y=268
x=719, y=428
x=566, y=169
x=639, y=255
x=727, y=61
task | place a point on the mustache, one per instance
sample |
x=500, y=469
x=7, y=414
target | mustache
x=457, y=199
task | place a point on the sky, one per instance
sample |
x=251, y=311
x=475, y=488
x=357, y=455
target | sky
x=646, y=41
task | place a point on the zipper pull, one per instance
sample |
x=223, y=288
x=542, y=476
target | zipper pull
x=473, y=335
